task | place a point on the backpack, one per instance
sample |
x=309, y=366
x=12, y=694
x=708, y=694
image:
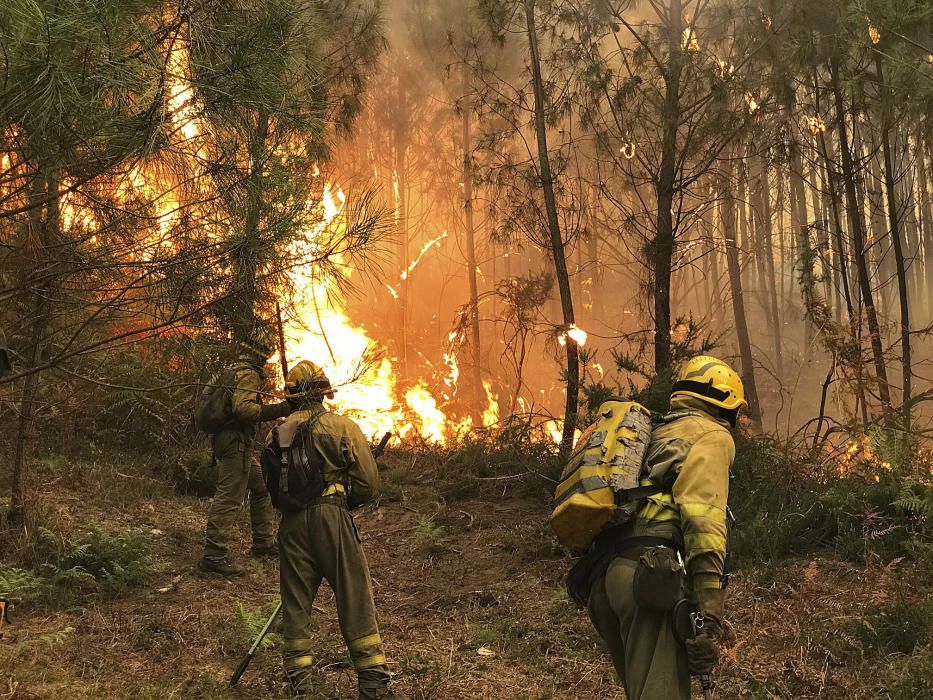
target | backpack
x=292, y=471
x=600, y=485
x=213, y=410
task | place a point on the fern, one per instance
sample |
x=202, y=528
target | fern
x=915, y=499
x=250, y=621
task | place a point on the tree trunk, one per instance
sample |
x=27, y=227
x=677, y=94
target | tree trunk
x=858, y=238
x=42, y=227
x=477, y=393
x=801, y=233
x=764, y=193
x=400, y=185
x=662, y=247
x=556, y=240
x=727, y=215
x=245, y=258
x=895, y=228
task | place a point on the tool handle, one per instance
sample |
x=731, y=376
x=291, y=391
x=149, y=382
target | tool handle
x=241, y=669
x=381, y=447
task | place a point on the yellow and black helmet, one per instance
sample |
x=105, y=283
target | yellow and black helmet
x=711, y=380
x=305, y=379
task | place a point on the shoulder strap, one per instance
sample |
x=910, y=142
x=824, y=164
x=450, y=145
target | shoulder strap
x=630, y=495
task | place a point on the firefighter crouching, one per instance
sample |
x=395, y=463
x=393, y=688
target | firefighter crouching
x=318, y=465
x=689, y=457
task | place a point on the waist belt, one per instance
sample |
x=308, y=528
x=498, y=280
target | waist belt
x=334, y=489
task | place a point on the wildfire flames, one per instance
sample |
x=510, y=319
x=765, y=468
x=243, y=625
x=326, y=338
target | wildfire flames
x=368, y=388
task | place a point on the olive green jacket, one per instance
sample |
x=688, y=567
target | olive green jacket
x=246, y=403
x=347, y=459
x=691, y=456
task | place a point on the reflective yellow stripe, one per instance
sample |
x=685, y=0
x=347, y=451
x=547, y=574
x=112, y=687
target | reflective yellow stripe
x=369, y=661
x=706, y=582
x=299, y=661
x=297, y=644
x=362, y=643
x=658, y=513
x=704, y=541
x=702, y=510
x=334, y=489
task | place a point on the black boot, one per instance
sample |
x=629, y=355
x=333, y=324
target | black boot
x=222, y=566
x=264, y=551
x=301, y=684
x=375, y=684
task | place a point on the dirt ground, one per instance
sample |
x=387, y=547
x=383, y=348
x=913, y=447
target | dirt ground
x=469, y=591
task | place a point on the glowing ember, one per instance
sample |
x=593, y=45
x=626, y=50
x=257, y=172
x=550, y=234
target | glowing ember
x=815, y=124
x=753, y=105
x=424, y=249
x=575, y=333
x=491, y=412
x=555, y=430
x=628, y=150
x=688, y=41
x=874, y=34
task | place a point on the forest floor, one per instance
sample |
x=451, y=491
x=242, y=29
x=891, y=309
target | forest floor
x=468, y=584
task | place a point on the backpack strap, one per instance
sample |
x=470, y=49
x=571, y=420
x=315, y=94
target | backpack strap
x=636, y=494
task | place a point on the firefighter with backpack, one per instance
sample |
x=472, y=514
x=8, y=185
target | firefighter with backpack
x=318, y=466
x=230, y=409
x=653, y=518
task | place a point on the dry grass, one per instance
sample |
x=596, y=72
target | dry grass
x=471, y=607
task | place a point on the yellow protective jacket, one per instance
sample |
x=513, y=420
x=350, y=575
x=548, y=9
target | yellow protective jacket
x=347, y=460
x=690, y=458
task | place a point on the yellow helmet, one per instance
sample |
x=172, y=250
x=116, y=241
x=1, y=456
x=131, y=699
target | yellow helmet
x=307, y=378
x=711, y=380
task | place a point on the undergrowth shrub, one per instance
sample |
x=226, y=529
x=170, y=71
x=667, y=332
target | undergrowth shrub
x=57, y=568
x=787, y=503
x=485, y=464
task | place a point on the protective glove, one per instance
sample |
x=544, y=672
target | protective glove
x=275, y=410
x=702, y=655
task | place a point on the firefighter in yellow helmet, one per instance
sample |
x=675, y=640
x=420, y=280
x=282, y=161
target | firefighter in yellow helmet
x=238, y=473
x=682, y=527
x=318, y=466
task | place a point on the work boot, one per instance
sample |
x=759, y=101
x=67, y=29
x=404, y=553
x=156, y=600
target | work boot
x=301, y=684
x=222, y=566
x=375, y=684
x=264, y=551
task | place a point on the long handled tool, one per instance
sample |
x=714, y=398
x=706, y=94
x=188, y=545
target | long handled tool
x=245, y=661
x=248, y=657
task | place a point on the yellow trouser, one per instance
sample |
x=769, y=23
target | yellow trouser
x=648, y=659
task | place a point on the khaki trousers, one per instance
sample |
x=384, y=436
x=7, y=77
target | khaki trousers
x=321, y=542
x=237, y=475
x=650, y=662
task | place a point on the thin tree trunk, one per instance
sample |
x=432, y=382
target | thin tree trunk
x=858, y=239
x=475, y=370
x=43, y=223
x=764, y=191
x=801, y=235
x=245, y=258
x=556, y=240
x=727, y=205
x=662, y=247
x=400, y=186
x=894, y=226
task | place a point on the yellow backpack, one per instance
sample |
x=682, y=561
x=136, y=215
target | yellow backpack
x=600, y=486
